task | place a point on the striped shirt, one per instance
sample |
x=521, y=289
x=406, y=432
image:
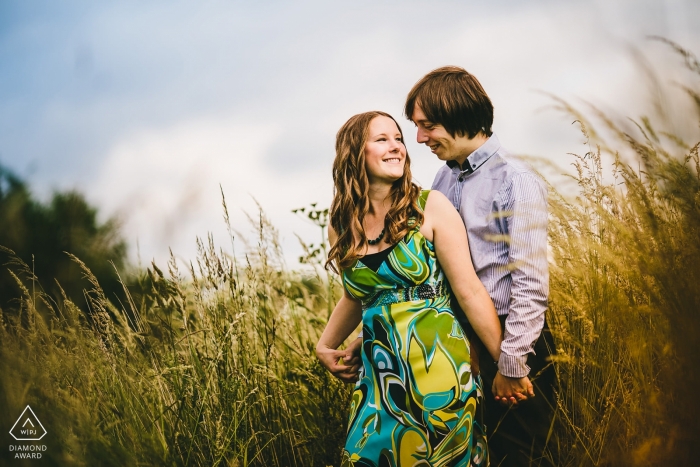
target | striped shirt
x=503, y=204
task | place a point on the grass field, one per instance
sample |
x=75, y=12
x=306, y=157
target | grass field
x=214, y=365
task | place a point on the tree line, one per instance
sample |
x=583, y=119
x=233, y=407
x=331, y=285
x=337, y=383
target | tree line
x=43, y=234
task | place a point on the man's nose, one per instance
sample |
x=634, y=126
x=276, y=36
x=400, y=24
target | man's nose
x=421, y=136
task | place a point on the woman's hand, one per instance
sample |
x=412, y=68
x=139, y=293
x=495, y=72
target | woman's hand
x=343, y=364
x=354, y=350
x=510, y=391
x=346, y=315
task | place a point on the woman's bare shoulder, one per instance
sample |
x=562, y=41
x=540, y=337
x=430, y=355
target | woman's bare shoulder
x=439, y=214
x=436, y=203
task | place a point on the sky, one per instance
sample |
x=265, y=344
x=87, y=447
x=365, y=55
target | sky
x=151, y=108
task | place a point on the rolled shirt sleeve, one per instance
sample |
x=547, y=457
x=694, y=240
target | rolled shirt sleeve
x=525, y=211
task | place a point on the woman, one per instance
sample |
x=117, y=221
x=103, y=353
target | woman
x=396, y=247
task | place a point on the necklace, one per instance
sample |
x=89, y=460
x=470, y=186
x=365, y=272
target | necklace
x=376, y=240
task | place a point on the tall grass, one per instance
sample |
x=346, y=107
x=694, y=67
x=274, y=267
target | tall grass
x=625, y=294
x=214, y=365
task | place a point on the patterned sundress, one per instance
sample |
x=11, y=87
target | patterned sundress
x=416, y=402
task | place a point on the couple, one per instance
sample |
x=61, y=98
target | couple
x=442, y=307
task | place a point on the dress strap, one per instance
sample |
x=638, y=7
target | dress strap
x=423, y=198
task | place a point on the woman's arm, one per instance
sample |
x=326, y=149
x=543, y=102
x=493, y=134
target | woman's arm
x=346, y=315
x=452, y=248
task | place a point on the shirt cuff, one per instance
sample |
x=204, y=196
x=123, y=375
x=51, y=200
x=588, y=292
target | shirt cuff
x=513, y=366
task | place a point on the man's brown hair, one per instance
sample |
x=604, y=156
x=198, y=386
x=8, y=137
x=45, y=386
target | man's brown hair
x=453, y=98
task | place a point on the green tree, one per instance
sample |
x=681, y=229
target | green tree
x=41, y=234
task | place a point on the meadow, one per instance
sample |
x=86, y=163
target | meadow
x=215, y=365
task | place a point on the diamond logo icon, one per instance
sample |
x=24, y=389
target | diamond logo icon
x=28, y=427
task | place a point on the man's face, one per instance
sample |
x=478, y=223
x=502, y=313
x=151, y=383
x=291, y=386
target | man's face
x=440, y=142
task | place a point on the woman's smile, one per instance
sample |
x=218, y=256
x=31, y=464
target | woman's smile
x=393, y=160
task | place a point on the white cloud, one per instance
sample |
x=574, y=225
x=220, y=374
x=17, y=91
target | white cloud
x=148, y=108
x=166, y=183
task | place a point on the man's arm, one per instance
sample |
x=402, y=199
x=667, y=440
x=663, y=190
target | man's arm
x=526, y=204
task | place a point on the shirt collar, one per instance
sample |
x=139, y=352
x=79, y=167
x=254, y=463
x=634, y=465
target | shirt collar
x=478, y=157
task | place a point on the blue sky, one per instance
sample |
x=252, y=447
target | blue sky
x=147, y=107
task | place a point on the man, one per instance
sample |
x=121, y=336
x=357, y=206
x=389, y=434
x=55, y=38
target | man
x=503, y=204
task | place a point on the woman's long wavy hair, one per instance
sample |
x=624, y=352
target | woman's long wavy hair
x=350, y=195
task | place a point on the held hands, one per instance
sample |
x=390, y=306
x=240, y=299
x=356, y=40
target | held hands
x=347, y=370
x=511, y=391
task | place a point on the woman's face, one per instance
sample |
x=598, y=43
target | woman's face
x=385, y=153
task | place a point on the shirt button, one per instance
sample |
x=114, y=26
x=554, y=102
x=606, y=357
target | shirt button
x=460, y=179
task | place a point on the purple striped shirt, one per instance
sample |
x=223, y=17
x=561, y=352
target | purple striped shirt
x=503, y=204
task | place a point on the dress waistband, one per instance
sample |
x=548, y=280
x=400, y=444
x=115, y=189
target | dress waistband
x=408, y=294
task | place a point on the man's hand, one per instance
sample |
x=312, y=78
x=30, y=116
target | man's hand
x=511, y=391
x=347, y=371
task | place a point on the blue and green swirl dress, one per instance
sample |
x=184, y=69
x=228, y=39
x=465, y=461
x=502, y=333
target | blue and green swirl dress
x=416, y=402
